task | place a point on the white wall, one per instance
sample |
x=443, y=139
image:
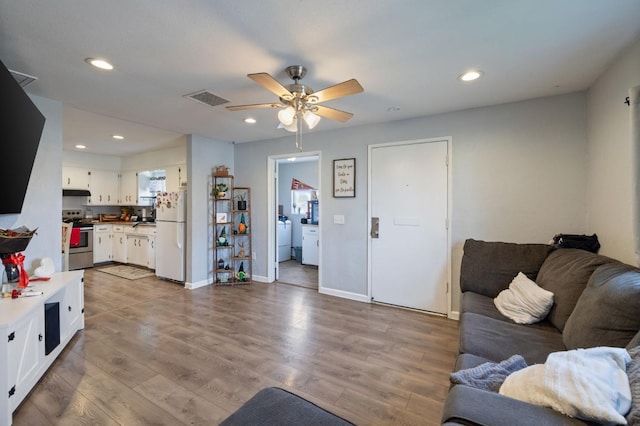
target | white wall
x=610, y=156
x=203, y=155
x=156, y=159
x=43, y=200
x=518, y=175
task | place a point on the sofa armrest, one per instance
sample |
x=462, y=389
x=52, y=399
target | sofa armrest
x=470, y=406
x=489, y=267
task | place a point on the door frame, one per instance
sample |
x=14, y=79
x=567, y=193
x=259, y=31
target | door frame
x=272, y=214
x=370, y=148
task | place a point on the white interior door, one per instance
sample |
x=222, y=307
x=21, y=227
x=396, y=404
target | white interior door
x=408, y=196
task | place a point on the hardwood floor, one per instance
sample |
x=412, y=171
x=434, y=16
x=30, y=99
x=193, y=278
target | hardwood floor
x=155, y=353
x=292, y=272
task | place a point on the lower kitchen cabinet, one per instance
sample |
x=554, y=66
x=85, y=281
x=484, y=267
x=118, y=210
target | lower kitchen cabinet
x=119, y=244
x=36, y=330
x=102, y=247
x=140, y=245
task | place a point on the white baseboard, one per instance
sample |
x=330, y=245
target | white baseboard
x=344, y=294
x=260, y=279
x=193, y=286
x=454, y=315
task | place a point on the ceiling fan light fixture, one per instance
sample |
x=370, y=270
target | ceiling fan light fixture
x=287, y=115
x=99, y=63
x=311, y=119
x=293, y=127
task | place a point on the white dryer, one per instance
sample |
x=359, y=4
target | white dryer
x=284, y=240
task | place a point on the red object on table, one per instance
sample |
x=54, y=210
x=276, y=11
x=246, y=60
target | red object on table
x=74, y=239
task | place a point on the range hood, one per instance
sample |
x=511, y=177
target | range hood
x=76, y=193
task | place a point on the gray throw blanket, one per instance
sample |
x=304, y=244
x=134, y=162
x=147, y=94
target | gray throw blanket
x=490, y=375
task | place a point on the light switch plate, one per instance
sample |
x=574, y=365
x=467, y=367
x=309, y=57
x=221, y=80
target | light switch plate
x=338, y=219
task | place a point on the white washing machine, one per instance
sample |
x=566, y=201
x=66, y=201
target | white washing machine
x=284, y=240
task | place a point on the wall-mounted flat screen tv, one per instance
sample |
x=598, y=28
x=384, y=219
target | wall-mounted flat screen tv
x=21, y=124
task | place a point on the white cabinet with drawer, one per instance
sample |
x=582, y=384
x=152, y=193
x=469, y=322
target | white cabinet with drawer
x=119, y=244
x=102, y=237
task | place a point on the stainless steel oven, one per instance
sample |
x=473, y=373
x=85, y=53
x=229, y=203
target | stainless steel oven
x=81, y=249
x=81, y=246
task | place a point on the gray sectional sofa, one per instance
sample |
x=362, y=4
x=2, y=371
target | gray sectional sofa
x=596, y=303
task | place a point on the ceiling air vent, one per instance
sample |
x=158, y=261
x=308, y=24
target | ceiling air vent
x=206, y=97
x=23, y=79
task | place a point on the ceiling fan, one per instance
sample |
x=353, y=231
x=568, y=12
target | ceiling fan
x=298, y=102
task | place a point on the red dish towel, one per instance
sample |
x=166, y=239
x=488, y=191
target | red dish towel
x=74, y=240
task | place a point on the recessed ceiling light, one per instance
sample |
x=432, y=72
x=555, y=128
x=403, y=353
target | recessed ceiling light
x=119, y=137
x=291, y=159
x=80, y=146
x=99, y=63
x=470, y=75
x=250, y=120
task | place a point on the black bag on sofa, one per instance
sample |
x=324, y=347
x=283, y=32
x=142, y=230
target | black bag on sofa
x=584, y=242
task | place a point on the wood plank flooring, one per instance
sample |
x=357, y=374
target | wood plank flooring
x=292, y=272
x=155, y=353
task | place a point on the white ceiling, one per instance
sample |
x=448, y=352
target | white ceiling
x=405, y=53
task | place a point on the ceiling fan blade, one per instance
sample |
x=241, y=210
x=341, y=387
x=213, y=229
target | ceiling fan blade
x=271, y=84
x=346, y=88
x=332, y=113
x=253, y=106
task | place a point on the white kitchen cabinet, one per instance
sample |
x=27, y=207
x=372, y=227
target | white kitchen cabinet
x=26, y=330
x=140, y=241
x=176, y=177
x=128, y=188
x=75, y=177
x=102, y=243
x=105, y=187
x=310, y=244
x=119, y=244
x=151, y=252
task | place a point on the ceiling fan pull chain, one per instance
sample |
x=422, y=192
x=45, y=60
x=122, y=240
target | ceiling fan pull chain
x=299, y=131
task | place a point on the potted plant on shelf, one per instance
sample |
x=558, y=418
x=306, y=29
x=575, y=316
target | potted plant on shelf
x=220, y=190
x=242, y=201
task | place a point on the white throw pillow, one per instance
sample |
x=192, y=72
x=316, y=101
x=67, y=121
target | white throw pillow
x=524, y=301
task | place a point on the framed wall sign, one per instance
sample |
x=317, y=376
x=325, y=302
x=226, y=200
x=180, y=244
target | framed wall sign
x=344, y=178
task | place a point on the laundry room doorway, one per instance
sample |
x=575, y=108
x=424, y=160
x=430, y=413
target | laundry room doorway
x=294, y=246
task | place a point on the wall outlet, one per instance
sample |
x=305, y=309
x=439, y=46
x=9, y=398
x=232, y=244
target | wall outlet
x=253, y=255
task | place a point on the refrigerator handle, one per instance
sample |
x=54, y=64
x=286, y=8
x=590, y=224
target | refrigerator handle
x=179, y=234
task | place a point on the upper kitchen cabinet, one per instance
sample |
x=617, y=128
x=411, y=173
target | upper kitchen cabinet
x=176, y=177
x=75, y=178
x=104, y=187
x=128, y=188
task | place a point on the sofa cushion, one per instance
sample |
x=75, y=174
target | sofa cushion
x=488, y=267
x=497, y=340
x=565, y=273
x=607, y=312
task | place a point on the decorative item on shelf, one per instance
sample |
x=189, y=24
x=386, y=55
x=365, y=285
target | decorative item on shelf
x=241, y=251
x=241, y=275
x=221, y=170
x=222, y=237
x=241, y=201
x=220, y=190
x=242, y=227
x=220, y=264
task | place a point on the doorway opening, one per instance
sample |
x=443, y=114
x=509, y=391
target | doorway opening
x=294, y=198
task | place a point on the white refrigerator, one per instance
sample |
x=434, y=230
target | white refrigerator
x=171, y=212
